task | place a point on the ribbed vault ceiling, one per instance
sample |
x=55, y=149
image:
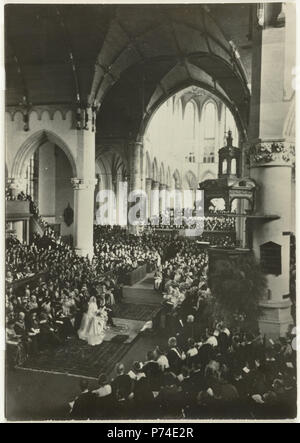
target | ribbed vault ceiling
x=125, y=60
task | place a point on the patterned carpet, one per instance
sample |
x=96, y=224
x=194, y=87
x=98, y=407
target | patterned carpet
x=124, y=330
x=77, y=357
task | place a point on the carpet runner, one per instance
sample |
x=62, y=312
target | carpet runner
x=78, y=358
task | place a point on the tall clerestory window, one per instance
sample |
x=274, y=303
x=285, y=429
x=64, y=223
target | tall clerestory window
x=210, y=132
x=31, y=176
x=189, y=128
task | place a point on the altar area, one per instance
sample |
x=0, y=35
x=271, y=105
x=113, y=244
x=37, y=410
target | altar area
x=77, y=358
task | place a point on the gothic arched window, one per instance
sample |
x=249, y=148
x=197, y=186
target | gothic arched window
x=210, y=131
x=32, y=176
x=189, y=127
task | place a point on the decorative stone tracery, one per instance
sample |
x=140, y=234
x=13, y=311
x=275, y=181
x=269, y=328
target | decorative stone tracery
x=270, y=152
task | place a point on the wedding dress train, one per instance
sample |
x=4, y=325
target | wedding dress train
x=93, y=324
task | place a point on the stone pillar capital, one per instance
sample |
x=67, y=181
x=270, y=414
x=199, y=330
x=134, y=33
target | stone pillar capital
x=86, y=118
x=155, y=185
x=163, y=187
x=12, y=182
x=80, y=183
x=16, y=184
x=271, y=153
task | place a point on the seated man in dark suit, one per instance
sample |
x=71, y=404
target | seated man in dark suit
x=47, y=336
x=122, y=385
x=175, y=356
x=153, y=372
x=105, y=402
x=84, y=405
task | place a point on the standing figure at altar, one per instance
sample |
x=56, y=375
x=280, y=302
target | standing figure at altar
x=93, y=324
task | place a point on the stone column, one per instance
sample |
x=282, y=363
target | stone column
x=148, y=193
x=270, y=163
x=273, y=174
x=162, y=199
x=135, y=184
x=136, y=151
x=178, y=203
x=155, y=200
x=84, y=215
x=84, y=187
x=142, y=168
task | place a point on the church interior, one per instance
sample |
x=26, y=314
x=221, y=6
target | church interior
x=111, y=320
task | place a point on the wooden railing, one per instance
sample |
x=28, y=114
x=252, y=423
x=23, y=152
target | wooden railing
x=17, y=209
x=135, y=276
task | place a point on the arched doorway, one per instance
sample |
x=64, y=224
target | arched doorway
x=44, y=166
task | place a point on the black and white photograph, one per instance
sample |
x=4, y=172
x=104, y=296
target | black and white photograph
x=149, y=233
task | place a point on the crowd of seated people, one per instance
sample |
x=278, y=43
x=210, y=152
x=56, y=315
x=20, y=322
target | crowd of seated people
x=219, y=230
x=210, y=223
x=117, y=249
x=72, y=280
x=48, y=312
x=20, y=260
x=33, y=208
x=125, y=252
x=217, y=373
x=224, y=241
x=201, y=370
x=214, y=211
x=225, y=224
x=184, y=274
x=205, y=369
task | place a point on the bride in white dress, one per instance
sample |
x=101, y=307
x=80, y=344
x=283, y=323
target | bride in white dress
x=93, y=324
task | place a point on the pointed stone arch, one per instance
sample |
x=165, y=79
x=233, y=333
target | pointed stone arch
x=168, y=178
x=32, y=143
x=208, y=175
x=177, y=179
x=162, y=177
x=103, y=168
x=190, y=180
